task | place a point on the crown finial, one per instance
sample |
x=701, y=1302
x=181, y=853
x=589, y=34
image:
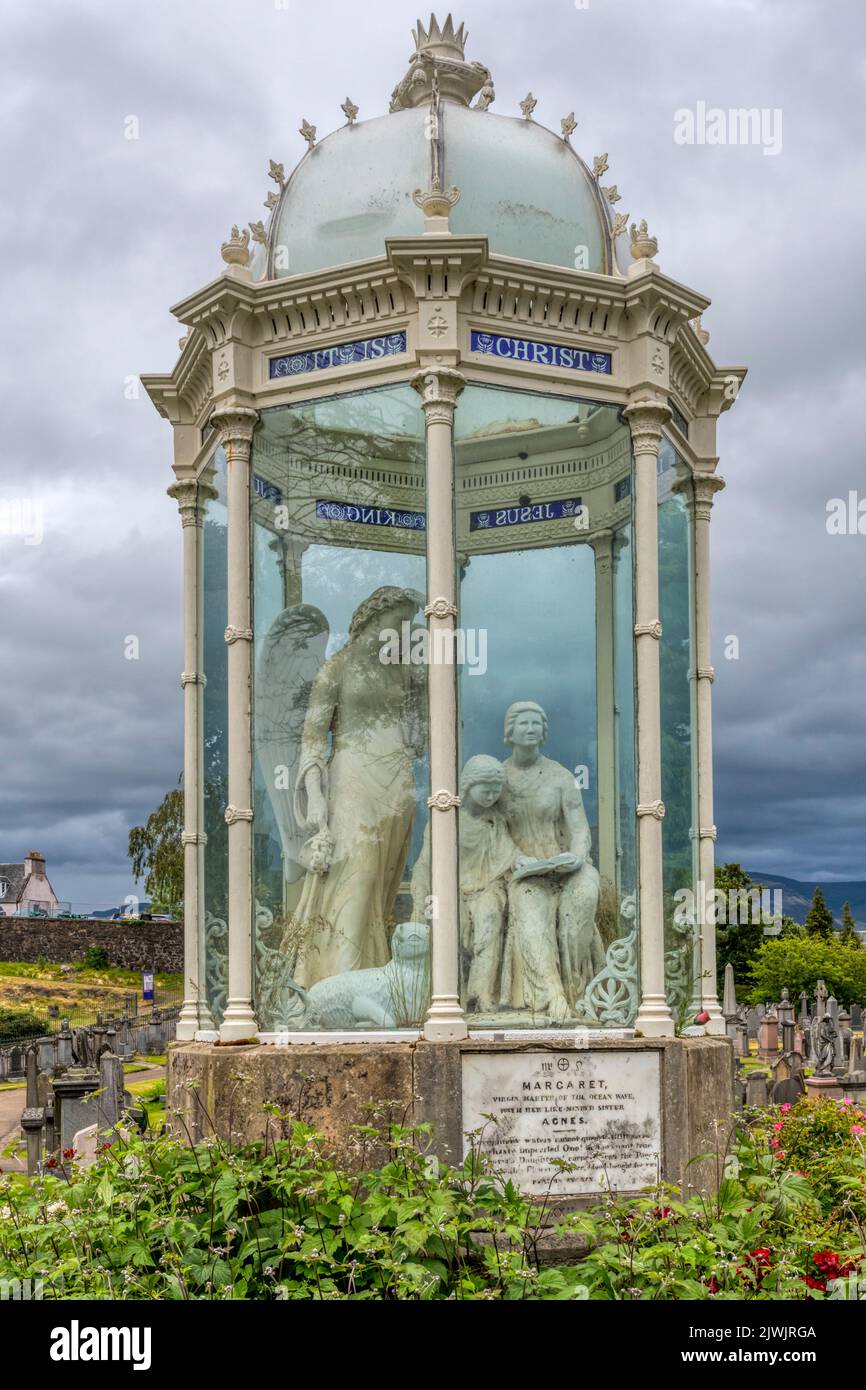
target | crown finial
x=236, y=251
x=439, y=57
x=440, y=43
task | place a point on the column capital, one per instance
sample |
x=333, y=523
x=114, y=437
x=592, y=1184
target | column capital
x=190, y=496
x=646, y=415
x=235, y=425
x=705, y=485
x=438, y=388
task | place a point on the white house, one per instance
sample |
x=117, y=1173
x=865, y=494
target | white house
x=26, y=886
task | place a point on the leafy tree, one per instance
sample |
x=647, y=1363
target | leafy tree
x=799, y=963
x=819, y=918
x=848, y=933
x=156, y=852
x=738, y=941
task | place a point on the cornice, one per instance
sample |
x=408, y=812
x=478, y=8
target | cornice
x=373, y=296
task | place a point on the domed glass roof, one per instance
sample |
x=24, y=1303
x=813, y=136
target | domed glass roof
x=521, y=186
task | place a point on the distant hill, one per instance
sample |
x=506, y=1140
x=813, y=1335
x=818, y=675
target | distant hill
x=797, y=895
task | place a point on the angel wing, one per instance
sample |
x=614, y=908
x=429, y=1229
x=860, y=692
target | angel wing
x=289, y=660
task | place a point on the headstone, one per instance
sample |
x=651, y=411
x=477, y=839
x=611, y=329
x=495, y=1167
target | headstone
x=31, y=1123
x=742, y=1040
x=32, y=1077
x=757, y=1088
x=803, y=1015
x=71, y=1111
x=46, y=1054
x=753, y=1022
x=798, y=1042
x=556, y=1106
x=855, y=1061
x=729, y=1001
x=833, y=1011
x=856, y=1017
x=785, y=1009
x=768, y=1036
x=789, y=1090
x=64, y=1046
x=739, y=1092
x=15, y=1056
x=821, y=993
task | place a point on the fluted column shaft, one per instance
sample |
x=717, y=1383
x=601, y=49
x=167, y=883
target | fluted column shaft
x=605, y=701
x=645, y=416
x=705, y=487
x=236, y=427
x=195, y=1014
x=439, y=388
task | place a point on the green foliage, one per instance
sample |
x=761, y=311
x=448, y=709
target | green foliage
x=94, y=958
x=156, y=1218
x=737, y=942
x=819, y=918
x=17, y=1024
x=825, y=1138
x=798, y=963
x=848, y=933
x=156, y=852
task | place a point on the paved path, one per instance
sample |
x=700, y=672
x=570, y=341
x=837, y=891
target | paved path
x=12, y=1104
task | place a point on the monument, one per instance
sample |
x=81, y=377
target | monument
x=445, y=458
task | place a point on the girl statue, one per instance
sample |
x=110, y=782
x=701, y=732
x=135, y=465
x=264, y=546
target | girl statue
x=555, y=947
x=487, y=855
x=355, y=795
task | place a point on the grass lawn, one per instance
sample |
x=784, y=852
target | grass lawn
x=36, y=985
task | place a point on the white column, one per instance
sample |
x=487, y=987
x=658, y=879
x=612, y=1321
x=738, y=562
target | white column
x=645, y=416
x=439, y=388
x=195, y=1014
x=236, y=427
x=602, y=544
x=705, y=487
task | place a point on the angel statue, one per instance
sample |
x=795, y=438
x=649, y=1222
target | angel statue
x=354, y=791
x=290, y=658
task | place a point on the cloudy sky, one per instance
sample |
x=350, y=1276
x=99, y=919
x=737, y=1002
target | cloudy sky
x=102, y=233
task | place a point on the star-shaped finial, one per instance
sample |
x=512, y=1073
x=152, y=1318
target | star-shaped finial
x=271, y=201
x=569, y=126
x=259, y=233
x=528, y=105
x=308, y=131
x=277, y=173
x=599, y=165
x=612, y=194
x=350, y=111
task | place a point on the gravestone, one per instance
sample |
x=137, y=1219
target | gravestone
x=821, y=993
x=71, y=1111
x=803, y=1015
x=753, y=1022
x=768, y=1036
x=856, y=1017
x=785, y=1009
x=855, y=1061
x=789, y=1090
x=757, y=1088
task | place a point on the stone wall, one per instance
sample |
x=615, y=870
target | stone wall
x=134, y=946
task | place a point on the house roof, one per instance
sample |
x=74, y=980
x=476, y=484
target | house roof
x=16, y=877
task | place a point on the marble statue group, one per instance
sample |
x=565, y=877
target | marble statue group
x=529, y=891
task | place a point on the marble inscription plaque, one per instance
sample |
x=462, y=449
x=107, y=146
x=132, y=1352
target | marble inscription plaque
x=600, y=1111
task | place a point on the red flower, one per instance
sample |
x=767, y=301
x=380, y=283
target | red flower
x=662, y=1213
x=713, y=1287
x=68, y=1153
x=51, y=1163
x=761, y=1256
x=814, y=1283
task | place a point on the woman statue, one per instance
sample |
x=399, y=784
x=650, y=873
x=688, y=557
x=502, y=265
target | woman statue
x=487, y=856
x=355, y=795
x=555, y=947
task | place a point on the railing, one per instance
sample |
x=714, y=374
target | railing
x=131, y=1006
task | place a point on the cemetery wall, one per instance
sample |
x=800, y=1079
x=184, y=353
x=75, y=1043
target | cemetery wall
x=134, y=946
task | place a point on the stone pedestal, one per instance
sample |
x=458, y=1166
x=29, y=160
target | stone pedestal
x=824, y=1086
x=629, y=1108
